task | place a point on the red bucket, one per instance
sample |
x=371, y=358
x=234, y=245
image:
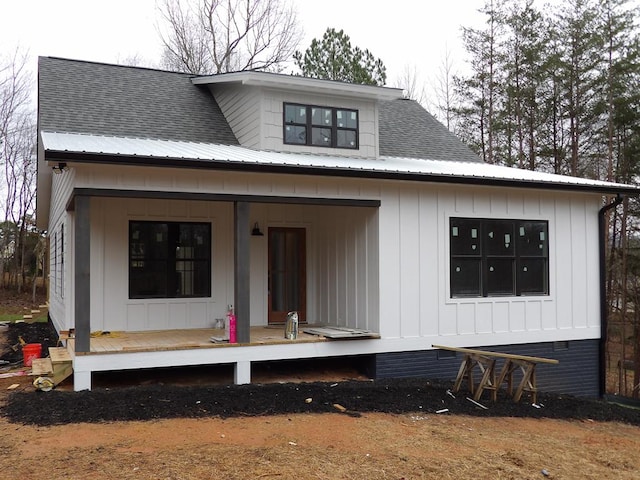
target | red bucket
x=31, y=351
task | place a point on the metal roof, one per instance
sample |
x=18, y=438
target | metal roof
x=109, y=149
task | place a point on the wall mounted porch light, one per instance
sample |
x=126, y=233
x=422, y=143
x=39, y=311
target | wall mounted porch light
x=256, y=232
x=59, y=168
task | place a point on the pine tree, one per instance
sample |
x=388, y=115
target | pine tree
x=333, y=58
x=481, y=89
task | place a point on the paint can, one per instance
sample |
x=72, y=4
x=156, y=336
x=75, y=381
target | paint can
x=291, y=326
x=219, y=324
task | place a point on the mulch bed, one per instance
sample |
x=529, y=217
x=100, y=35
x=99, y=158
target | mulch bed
x=397, y=396
x=19, y=333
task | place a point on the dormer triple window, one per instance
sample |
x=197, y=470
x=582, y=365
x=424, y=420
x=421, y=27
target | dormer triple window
x=320, y=126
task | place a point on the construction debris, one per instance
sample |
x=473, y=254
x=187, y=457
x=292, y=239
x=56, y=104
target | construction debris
x=17, y=373
x=477, y=404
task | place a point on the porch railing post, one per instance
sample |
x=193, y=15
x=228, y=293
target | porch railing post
x=241, y=267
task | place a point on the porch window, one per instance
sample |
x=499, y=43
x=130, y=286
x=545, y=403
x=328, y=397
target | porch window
x=320, y=126
x=169, y=259
x=498, y=257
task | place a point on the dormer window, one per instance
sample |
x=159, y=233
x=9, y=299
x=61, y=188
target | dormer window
x=320, y=126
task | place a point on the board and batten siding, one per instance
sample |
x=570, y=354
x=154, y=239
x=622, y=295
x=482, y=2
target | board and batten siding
x=111, y=307
x=385, y=269
x=337, y=292
x=255, y=115
x=342, y=250
x=414, y=267
x=59, y=230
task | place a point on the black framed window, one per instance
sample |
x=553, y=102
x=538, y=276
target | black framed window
x=498, y=257
x=169, y=259
x=320, y=126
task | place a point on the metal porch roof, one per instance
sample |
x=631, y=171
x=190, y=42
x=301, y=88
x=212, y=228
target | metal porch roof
x=85, y=148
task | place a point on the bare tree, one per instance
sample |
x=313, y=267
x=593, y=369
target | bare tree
x=14, y=91
x=446, y=96
x=17, y=159
x=217, y=36
x=135, y=60
x=409, y=81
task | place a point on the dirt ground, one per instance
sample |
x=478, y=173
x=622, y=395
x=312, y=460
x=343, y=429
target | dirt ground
x=390, y=430
x=320, y=446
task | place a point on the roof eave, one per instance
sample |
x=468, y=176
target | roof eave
x=229, y=165
x=301, y=84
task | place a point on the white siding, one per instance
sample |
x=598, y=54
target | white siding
x=60, y=221
x=414, y=272
x=256, y=115
x=384, y=269
x=111, y=307
x=242, y=109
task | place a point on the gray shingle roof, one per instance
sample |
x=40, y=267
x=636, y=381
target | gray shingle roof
x=408, y=130
x=115, y=100
x=86, y=97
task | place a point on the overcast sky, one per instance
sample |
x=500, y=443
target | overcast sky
x=402, y=33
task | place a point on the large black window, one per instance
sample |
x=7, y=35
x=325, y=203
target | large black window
x=169, y=259
x=496, y=257
x=320, y=126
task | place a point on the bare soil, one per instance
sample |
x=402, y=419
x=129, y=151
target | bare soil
x=289, y=428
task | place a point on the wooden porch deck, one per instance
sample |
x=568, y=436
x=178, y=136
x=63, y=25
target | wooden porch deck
x=164, y=340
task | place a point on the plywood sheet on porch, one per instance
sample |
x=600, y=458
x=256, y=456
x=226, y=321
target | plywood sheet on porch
x=162, y=340
x=340, y=332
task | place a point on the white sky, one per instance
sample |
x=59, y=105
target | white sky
x=402, y=33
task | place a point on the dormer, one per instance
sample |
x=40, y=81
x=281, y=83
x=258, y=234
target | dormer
x=287, y=113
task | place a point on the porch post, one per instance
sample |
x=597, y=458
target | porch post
x=82, y=273
x=241, y=267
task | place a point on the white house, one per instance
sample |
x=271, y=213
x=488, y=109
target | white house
x=154, y=187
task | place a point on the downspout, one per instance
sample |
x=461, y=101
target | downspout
x=604, y=317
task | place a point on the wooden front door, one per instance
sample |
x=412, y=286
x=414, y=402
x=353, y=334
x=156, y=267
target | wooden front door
x=287, y=273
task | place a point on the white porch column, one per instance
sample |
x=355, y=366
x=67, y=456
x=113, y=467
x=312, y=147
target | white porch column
x=242, y=373
x=81, y=381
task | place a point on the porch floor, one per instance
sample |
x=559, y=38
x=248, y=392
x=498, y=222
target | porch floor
x=163, y=340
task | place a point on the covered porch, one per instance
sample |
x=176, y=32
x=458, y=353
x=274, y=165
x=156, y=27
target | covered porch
x=122, y=351
x=335, y=261
x=182, y=339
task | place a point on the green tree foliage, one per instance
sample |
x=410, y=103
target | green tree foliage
x=482, y=88
x=333, y=58
x=553, y=89
x=558, y=90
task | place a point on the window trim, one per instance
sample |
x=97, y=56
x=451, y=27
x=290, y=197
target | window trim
x=517, y=257
x=207, y=291
x=309, y=126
